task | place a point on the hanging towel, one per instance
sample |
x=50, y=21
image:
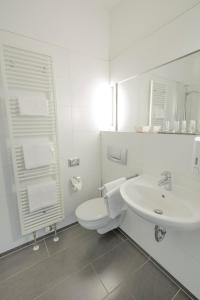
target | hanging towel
x=41, y=195
x=33, y=104
x=115, y=183
x=114, y=202
x=37, y=154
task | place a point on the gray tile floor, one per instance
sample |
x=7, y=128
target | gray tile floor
x=84, y=266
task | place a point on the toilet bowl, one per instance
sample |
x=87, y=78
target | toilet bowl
x=93, y=214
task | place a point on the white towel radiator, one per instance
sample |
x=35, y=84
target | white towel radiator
x=24, y=70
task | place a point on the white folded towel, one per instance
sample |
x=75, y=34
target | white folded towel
x=115, y=183
x=41, y=195
x=33, y=104
x=114, y=202
x=37, y=154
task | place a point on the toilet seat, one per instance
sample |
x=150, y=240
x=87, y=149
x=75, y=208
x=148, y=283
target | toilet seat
x=92, y=210
x=92, y=214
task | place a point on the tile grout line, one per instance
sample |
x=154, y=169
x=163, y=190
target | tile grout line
x=20, y=249
x=61, y=281
x=99, y=278
x=122, y=282
x=52, y=255
x=156, y=264
x=48, y=254
x=90, y=263
x=119, y=235
x=181, y=289
x=136, y=246
x=84, y=238
x=23, y=270
x=176, y=294
x=31, y=242
x=110, y=250
x=173, y=280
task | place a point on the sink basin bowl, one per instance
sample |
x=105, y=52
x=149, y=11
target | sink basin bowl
x=178, y=209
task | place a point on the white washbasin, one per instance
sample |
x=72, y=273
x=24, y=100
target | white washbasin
x=179, y=208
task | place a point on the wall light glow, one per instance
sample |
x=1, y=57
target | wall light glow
x=104, y=108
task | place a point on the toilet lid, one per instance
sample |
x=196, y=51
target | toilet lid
x=92, y=210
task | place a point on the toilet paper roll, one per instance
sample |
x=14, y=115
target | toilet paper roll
x=76, y=183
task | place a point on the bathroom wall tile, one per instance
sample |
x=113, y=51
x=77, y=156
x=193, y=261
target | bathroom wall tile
x=20, y=260
x=150, y=284
x=116, y=265
x=83, y=285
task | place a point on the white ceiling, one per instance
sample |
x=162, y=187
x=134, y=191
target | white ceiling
x=133, y=20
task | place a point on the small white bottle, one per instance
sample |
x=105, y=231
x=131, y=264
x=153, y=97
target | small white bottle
x=192, y=126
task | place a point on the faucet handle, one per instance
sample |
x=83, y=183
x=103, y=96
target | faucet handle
x=167, y=174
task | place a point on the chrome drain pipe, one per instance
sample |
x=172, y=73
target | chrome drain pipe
x=160, y=233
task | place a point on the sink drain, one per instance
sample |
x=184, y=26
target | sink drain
x=158, y=211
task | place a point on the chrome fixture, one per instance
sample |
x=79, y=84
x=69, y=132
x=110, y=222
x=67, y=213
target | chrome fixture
x=166, y=181
x=160, y=233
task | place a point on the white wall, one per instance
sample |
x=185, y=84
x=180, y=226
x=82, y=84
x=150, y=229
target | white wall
x=179, y=252
x=77, y=39
x=166, y=42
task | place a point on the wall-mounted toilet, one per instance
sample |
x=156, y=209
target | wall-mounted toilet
x=105, y=213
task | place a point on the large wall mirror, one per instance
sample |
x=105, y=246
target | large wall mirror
x=165, y=99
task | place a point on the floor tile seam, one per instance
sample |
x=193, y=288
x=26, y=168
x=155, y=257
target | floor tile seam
x=122, y=232
x=157, y=265
x=176, y=294
x=61, y=281
x=135, y=272
x=119, y=236
x=23, y=270
x=31, y=243
x=165, y=273
x=185, y=292
x=138, y=248
x=99, y=278
x=67, y=247
x=122, y=283
x=118, y=286
x=141, y=266
x=107, y=252
x=20, y=249
x=61, y=230
x=135, y=244
x=48, y=254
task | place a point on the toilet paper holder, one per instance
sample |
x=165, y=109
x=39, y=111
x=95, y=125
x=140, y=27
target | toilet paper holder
x=76, y=183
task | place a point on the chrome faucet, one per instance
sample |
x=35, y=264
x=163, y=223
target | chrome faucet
x=166, y=181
